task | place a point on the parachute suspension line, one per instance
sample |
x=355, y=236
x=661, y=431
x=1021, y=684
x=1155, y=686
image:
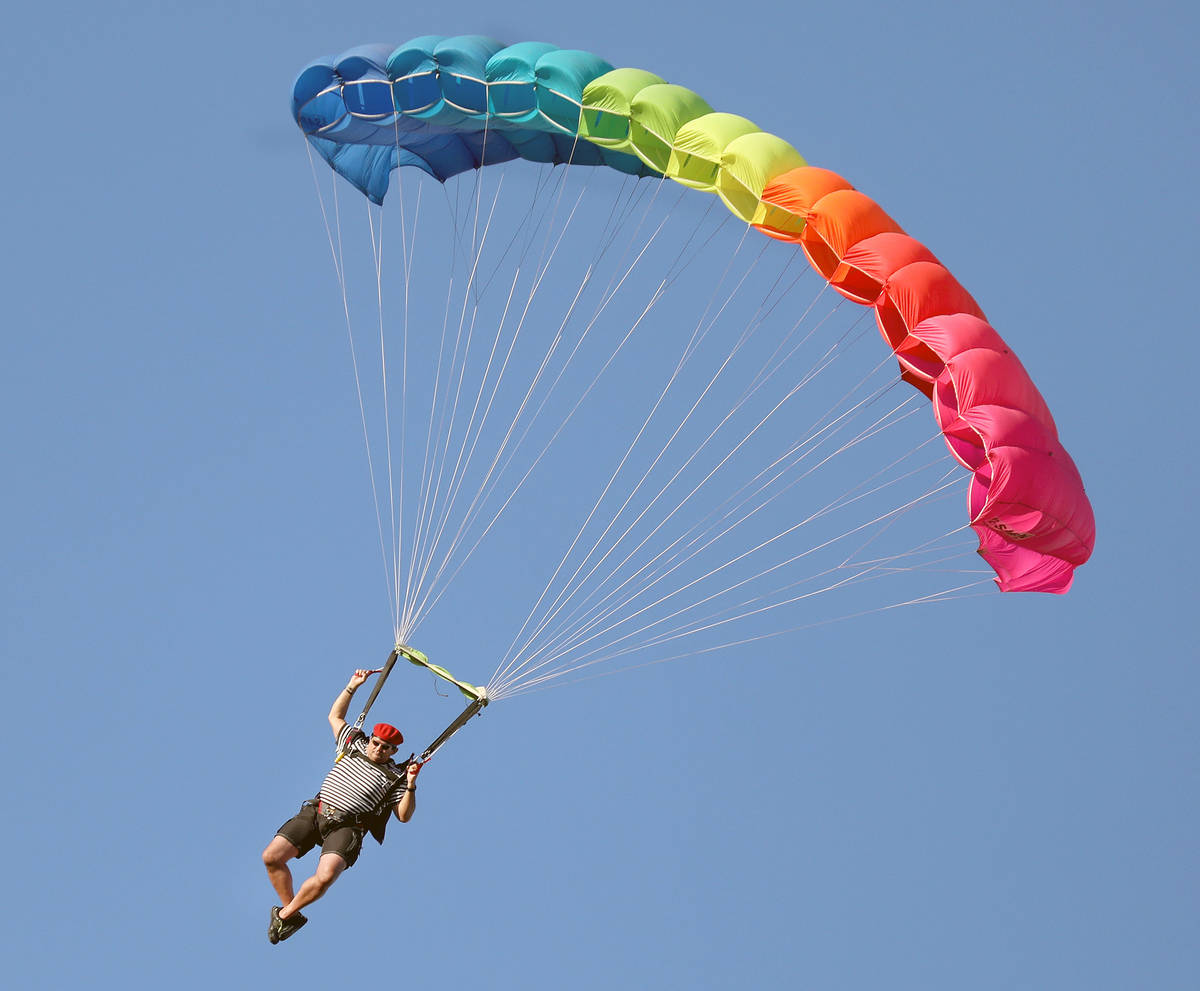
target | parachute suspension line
x=891, y=515
x=667, y=281
x=703, y=527
x=491, y=477
x=474, y=431
x=425, y=496
x=338, y=255
x=695, y=534
x=754, y=430
x=551, y=682
x=697, y=334
x=469, y=443
x=403, y=624
x=747, y=332
x=863, y=574
x=504, y=447
x=692, y=628
x=933, y=545
x=606, y=243
x=863, y=435
x=584, y=628
x=422, y=493
x=408, y=251
x=457, y=478
x=707, y=527
x=454, y=488
x=558, y=652
x=656, y=295
x=486, y=485
x=704, y=624
x=527, y=226
x=435, y=520
x=853, y=495
x=541, y=269
x=477, y=426
x=377, y=253
x=772, y=364
x=817, y=429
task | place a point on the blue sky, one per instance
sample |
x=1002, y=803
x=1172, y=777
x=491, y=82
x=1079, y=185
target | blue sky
x=997, y=792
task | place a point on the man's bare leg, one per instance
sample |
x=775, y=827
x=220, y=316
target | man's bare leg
x=329, y=869
x=276, y=856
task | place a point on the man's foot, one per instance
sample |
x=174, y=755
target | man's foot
x=281, y=929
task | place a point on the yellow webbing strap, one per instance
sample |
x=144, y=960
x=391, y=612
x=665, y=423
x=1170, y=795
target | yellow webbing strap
x=413, y=656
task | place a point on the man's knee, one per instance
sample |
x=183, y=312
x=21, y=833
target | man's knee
x=278, y=852
x=329, y=869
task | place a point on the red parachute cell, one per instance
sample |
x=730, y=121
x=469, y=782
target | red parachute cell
x=1026, y=499
x=866, y=266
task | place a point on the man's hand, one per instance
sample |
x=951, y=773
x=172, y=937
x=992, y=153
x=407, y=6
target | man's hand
x=337, y=715
x=414, y=768
x=360, y=675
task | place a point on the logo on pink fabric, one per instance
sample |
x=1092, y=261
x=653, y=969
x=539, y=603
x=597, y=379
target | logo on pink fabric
x=999, y=526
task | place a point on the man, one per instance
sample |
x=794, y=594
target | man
x=357, y=795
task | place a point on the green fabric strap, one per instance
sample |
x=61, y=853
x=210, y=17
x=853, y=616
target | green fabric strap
x=413, y=656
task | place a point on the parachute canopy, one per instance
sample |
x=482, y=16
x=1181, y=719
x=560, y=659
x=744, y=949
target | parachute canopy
x=448, y=105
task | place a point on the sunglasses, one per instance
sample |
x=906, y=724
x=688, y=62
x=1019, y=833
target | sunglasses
x=381, y=743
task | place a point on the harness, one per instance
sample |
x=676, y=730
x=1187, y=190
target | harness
x=375, y=821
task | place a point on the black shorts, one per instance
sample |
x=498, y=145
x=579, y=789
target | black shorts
x=306, y=829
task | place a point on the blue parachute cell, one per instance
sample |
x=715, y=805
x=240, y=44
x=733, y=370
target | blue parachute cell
x=448, y=105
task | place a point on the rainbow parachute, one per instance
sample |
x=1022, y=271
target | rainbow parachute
x=448, y=105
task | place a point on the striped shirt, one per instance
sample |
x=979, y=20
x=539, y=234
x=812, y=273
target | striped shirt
x=357, y=785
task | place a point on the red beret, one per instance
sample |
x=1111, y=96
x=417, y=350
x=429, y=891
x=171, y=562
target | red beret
x=388, y=733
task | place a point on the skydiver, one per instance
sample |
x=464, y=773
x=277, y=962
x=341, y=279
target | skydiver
x=363, y=786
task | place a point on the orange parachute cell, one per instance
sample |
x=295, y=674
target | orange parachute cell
x=837, y=222
x=866, y=266
x=788, y=200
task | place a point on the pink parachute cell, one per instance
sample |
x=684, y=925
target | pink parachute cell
x=1026, y=499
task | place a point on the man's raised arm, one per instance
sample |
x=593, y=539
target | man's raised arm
x=337, y=715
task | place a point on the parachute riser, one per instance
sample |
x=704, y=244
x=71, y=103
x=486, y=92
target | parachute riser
x=383, y=676
x=473, y=709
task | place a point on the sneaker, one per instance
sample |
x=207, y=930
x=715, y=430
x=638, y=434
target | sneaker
x=280, y=929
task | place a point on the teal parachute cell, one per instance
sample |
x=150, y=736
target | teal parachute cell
x=448, y=105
